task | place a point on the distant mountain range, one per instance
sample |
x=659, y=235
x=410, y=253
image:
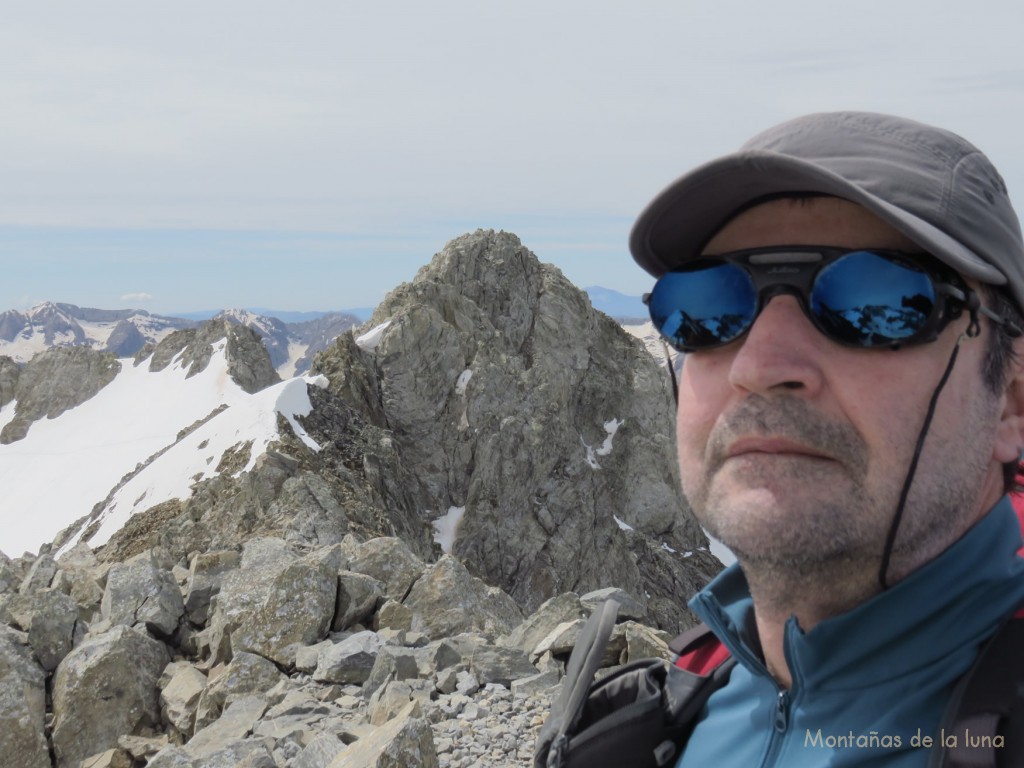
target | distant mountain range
x=292, y=338
x=363, y=313
x=127, y=331
x=626, y=309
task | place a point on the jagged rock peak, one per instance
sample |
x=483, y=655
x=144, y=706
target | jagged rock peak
x=538, y=432
x=491, y=270
x=272, y=332
x=248, y=361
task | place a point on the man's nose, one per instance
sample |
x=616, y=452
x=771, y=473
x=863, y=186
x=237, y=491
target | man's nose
x=781, y=351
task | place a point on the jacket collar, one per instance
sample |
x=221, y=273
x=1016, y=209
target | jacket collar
x=956, y=600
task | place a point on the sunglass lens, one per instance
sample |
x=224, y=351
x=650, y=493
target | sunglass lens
x=703, y=306
x=869, y=300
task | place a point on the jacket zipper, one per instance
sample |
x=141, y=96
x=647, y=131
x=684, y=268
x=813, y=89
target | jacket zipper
x=780, y=724
x=780, y=715
x=782, y=712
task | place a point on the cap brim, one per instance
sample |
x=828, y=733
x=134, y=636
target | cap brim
x=677, y=224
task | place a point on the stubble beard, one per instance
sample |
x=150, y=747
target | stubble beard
x=793, y=515
x=793, y=522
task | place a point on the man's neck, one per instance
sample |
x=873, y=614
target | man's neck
x=777, y=598
x=779, y=591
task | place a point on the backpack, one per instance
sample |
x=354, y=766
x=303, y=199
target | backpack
x=642, y=714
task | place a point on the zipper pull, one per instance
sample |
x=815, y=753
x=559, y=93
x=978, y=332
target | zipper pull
x=782, y=712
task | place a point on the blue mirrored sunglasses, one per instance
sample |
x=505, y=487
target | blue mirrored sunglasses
x=859, y=298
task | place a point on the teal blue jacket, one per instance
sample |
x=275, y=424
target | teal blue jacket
x=869, y=686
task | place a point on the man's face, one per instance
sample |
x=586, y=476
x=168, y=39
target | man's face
x=793, y=449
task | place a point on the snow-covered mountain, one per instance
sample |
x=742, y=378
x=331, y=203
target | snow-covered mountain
x=126, y=331
x=148, y=428
x=144, y=438
x=293, y=345
x=50, y=324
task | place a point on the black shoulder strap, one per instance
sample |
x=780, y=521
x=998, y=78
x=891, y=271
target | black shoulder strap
x=986, y=712
x=691, y=639
x=639, y=715
x=567, y=709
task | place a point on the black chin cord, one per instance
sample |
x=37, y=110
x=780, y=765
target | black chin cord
x=972, y=331
x=671, y=372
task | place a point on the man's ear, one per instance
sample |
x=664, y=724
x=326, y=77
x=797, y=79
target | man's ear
x=1009, y=441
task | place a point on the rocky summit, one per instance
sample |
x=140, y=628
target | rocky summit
x=484, y=463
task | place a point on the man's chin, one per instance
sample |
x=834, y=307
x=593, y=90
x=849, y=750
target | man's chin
x=759, y=526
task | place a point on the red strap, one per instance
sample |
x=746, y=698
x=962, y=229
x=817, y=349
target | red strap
x=705, y=658
x=1017, y=499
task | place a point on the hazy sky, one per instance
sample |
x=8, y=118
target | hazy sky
x=312, y=155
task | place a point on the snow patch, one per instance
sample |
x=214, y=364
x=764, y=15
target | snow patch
x=296, y=349
x=463, y=382
x=719, y=550
x=7, y=413
x=195, y=457
x=372, y=337
x=446, y=528
x=624, y=526
x=611, y=427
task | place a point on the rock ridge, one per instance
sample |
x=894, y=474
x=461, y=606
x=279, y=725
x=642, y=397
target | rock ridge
x=485, y=411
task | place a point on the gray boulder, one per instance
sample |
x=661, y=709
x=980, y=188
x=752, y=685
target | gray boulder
x=296, y=610
x=629, y=606
x=392, y=663
x=181, y=685
x=320, y=751
x=349, y=661
x=143, y=592
x=78, y=557
x=206, y=573
x=393, y=616
x=389, y=700
x=358, y=598
x=390, y=561
x=558, y=610
x=22, y=705
x=8, y=578
x=405, y=741
x=499, y=665
x=104, y=688
x=274, y=602
x=51, y=620
x=231, y=727
x=448, y=600
x=40, y=575
x=246, y=675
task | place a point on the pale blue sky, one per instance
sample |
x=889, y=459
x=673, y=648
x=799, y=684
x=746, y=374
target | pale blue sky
x=313, y=155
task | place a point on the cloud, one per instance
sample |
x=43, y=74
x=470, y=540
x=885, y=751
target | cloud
x=137, y=297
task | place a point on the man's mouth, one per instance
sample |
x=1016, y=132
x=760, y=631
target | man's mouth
x=771, y=446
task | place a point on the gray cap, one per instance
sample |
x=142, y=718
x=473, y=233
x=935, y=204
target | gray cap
x=931, y=185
